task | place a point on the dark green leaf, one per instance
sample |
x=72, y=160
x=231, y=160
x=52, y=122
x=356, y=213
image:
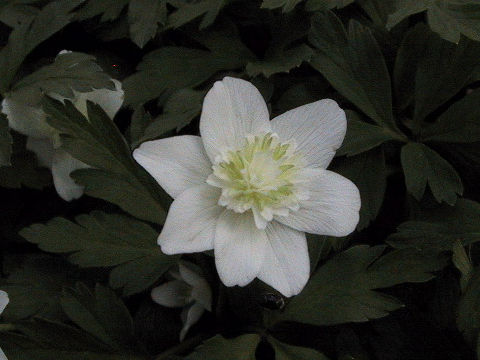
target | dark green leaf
x=188, y=11
x=109, y=9
x=378, y=10
x=6, y=142
x=468, y=320
x=320, y=5
x=287, y=5
x=290, y=352
x=105, y=240
x=218, y=348
x=422, y=165
x=144, y=17
x=353, y=63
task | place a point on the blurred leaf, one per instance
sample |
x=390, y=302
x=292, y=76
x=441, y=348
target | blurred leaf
x=459, y=124
x=188, y=11
x=422, y=165
x=6, y=142
x=157, y=74
x=218, y=348
x=463, y=263
x=468, y=318
x=101, y=314
x=290, y=352
x=368, y=172
x=98, y=143
x=342, y=290
x=353, y=63
x=287, y=5
x=31, y=32
x=362, y=136
x=321, y=5
x=144, y=17
x=106, y=240
x=448, y=18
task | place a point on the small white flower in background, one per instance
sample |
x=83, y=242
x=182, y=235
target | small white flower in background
x=3, y=304
x=43, y=140
x=188, y=290
x=250, y=188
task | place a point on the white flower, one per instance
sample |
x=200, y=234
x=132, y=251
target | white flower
x=188, y=290
x=250, y=188
x=3, y=304
x=30, y=120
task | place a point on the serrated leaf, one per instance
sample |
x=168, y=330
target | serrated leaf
x=353, y=63
x=106, y=240
x=189, y=11
x=368, y=172
x=422, y=165
x=109, y=9
x=98, y=143
x=290, y=352
x=6, y=142
x=321, y=5
x=218, y=348
x=450, y=19
x=343, y=289
x=144, y=17
x=286, y=5
x=157, y=74
x=362, y=136
x=459, y=124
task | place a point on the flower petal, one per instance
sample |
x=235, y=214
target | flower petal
x=191, y=221
x=190, y=316
x=333, y=206
x=232, y=109
x=177, y=163
x=2, y=355
x=4, y=300
x=171, y=294
x=44, y=150
x=109, y=100
x=286, y=266
x=239, y=248
x=318, y=129
x=62, y=165
x=200, y=288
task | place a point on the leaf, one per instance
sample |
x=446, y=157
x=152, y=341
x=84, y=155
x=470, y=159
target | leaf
x=157, y=74
x=6, y=142
x=468, y=318
x=106, y=240
x=29, y=34
x=98, y=143
x=378, y=10
x=287, y=5
x=443, y=73
x=101, y=314
x=34, y=287
x=368, y=172
x=282, y=56
x=109, y=9
x=70, y=71
x=450, y=19
x=144, y=17
x=353, y=63
x=463, y=263
x=422, y=165
x=290, y=352
x=188, y=11
x=459, y=124
x=342, y=290
x=321, y=5
x=362, y=136
x=218, y=348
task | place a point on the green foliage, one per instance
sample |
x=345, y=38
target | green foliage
x=219, y=348
x=289, y=352
x=188, y=11
x=316, y=5
x=5, y=142
x=143, y=28
x=106, y=240
x=286, y=5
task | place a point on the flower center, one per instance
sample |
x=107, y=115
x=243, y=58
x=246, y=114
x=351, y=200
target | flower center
x=262, y=176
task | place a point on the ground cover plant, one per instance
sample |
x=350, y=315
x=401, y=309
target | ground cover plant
x=241, y=179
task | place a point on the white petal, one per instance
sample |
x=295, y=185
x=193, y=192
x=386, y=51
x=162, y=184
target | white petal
x=4, y=300
x=190, y=316
x=2, y=355
x=109, y=100
x=44, y=150
x=191, y=220
x=318, y=129
x=171, y=294
x=62, y=165
x=200, y=288
x=286, y=266
x=27, y=119
x=232, y=109
x=177, y=163
x=239, y=248
x=333, y=206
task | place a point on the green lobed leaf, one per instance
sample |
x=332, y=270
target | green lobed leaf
x=422, y=165
x=144, y=17
x=218, y=348
x=290, y=352
x=342, y=290
x=286, y=5
x=6, y=142
x=106, y=240
x=98, y=143
x=353, y=63
x=189, y=11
